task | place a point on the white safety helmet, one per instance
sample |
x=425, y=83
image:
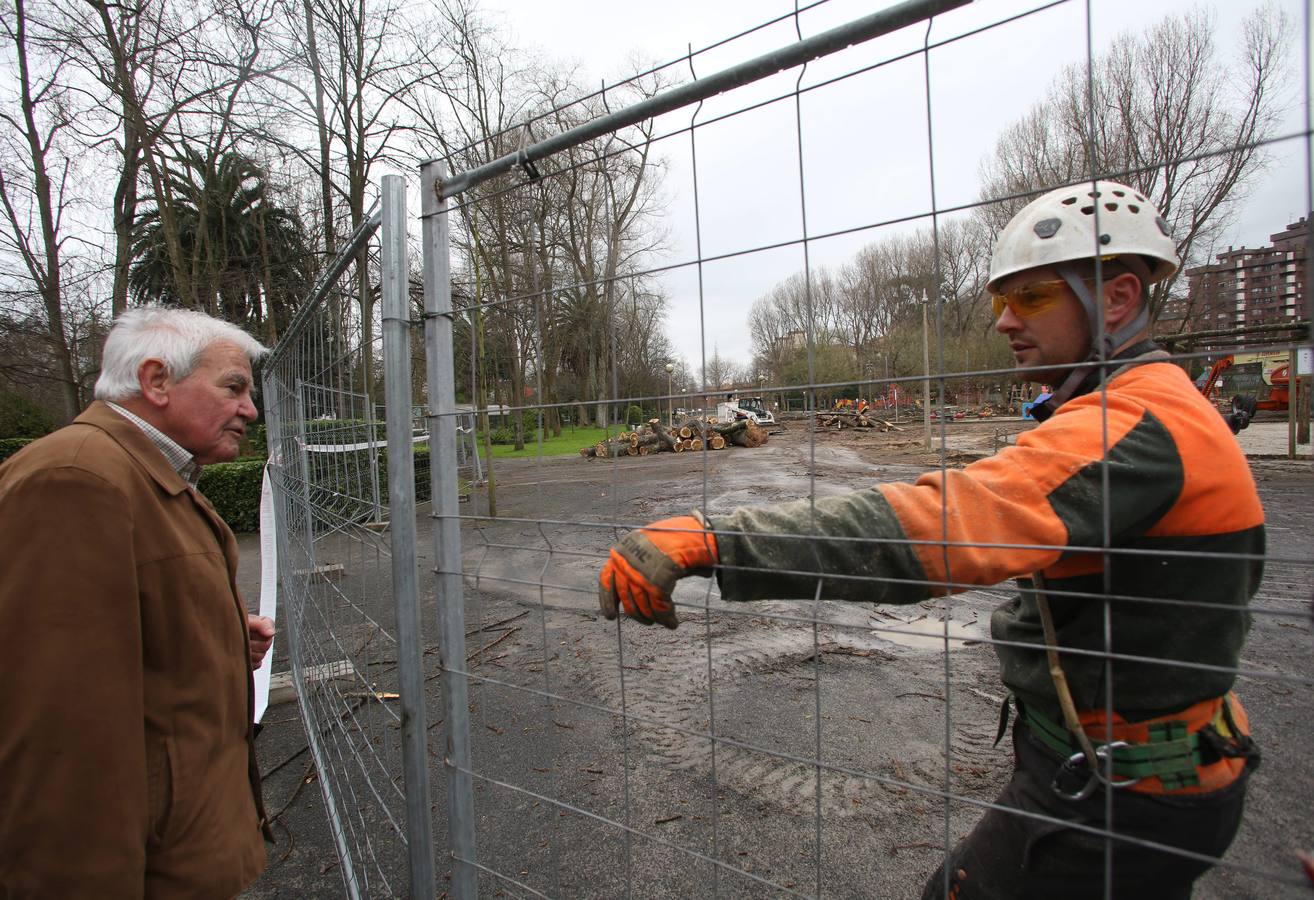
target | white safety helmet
x=1059, y=227
x=1059, y=230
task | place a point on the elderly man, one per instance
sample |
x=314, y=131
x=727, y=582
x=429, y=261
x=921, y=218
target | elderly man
x=127, y=763
x=1130, y=501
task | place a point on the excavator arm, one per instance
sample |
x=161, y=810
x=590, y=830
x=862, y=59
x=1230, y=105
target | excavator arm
x=1243, y=408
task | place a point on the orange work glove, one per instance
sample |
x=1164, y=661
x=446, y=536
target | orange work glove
x=642, y=569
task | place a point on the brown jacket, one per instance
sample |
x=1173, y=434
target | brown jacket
x=127, y=767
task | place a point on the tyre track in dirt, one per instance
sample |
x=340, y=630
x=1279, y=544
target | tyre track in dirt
x=666, y=695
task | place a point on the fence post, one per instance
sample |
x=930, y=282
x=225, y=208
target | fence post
x=401, y=505
x=440, y=374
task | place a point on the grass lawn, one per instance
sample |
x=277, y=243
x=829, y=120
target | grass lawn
x=566, y=445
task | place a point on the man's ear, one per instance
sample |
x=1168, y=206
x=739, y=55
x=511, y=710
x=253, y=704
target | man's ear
x=153, y=378
x=1122, y=300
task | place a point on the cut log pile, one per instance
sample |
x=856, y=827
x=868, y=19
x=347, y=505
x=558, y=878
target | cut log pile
x=693, y=434
x=842, y=420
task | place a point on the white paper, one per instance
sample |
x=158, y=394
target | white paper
x=268, y=588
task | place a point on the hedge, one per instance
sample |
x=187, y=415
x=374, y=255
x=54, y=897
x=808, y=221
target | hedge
x=10, y=446
x=21, y=418
x=257, y=441
x=234, y=489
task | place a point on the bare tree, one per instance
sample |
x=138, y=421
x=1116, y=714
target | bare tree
x=35, y=190
x=1161, y=111
x=350, y=69
x=164, y=78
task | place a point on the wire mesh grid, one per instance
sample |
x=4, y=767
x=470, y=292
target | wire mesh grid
x=329, y=465
x=825, y=744
x=759, y=747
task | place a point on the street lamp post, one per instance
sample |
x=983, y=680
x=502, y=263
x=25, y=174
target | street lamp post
x=670, y=398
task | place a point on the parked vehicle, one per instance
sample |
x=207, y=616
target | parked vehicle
x=751, y=408
x=1262, y=377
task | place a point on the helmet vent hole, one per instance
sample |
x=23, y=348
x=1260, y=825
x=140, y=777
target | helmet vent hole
x=1132, y=207
x=1088, y=210
x=1111, y=207
x=1142, y=199
x=1120, y=193
x=1069, y=201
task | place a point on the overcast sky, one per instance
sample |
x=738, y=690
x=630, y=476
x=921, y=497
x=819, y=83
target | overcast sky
x=865, y=138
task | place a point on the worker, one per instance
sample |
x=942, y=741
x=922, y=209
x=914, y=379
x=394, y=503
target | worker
x=1129, y=508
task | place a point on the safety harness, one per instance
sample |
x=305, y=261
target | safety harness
x=1202, y=748
x=1174, y=754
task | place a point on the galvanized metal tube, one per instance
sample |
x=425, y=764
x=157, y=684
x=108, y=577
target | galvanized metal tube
x=401, y=506
x=440, y=368
x=795, y=54
x=358, y=238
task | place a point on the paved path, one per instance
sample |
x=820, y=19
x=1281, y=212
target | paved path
x=1269, y=439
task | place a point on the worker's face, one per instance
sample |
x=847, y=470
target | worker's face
x=1058, y=335
x=208, y=410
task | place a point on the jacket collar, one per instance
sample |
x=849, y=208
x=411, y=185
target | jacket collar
x=136, y=444
x=1087, y=378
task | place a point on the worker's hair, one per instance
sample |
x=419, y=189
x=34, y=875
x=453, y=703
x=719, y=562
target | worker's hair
x=176, y=337
x=1112, y=267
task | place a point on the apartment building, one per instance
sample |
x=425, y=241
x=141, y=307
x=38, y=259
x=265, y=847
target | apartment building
x=1245, y=286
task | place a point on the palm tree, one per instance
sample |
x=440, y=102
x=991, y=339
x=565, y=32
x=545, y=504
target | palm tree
x=246, y=257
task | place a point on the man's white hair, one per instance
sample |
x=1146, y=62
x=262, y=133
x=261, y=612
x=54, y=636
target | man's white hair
x=176, y=337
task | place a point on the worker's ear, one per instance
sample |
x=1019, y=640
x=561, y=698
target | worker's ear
x=1122, y=300
x=154, y=380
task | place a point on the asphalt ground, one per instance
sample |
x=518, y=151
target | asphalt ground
x=862, y=686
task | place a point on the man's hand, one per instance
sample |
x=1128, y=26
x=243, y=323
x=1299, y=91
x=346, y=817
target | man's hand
x=260, y=634
x=642, y=569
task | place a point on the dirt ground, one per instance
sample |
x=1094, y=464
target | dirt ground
x=863, y=686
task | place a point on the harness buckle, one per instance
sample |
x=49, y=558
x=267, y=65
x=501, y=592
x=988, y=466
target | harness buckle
x=1074, y=764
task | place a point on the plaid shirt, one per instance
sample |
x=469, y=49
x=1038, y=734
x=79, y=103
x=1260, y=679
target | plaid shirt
x=180, y=459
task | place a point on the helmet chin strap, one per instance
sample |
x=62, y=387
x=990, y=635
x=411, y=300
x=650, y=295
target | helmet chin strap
x=1102, y=343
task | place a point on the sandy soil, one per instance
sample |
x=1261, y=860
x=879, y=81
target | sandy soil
x=867, y=688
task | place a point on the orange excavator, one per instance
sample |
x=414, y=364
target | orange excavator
x=1254, y=382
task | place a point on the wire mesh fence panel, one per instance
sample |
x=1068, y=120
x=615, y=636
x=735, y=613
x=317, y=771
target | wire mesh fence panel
x=926, y=516
x=329, y=450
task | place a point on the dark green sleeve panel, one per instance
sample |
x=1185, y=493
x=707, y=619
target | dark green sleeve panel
x=777, y=552
x=1145, y=480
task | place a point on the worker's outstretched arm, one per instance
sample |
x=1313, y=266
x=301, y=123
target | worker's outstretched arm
x=643, y=567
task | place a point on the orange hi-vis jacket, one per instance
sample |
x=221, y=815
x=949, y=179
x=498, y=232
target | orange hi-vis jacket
x=1136, y=494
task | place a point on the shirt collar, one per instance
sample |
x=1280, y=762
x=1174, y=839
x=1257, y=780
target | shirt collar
x=183, y=463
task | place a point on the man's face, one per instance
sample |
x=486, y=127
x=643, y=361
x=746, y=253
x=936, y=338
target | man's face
x=208, y=410
x=1055, y=337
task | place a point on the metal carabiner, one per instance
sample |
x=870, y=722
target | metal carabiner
x=1071, y=766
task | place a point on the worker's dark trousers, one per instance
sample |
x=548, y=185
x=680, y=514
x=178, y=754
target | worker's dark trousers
x=1012, y=856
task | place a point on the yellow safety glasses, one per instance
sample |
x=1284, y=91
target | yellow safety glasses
x=1031, y=300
